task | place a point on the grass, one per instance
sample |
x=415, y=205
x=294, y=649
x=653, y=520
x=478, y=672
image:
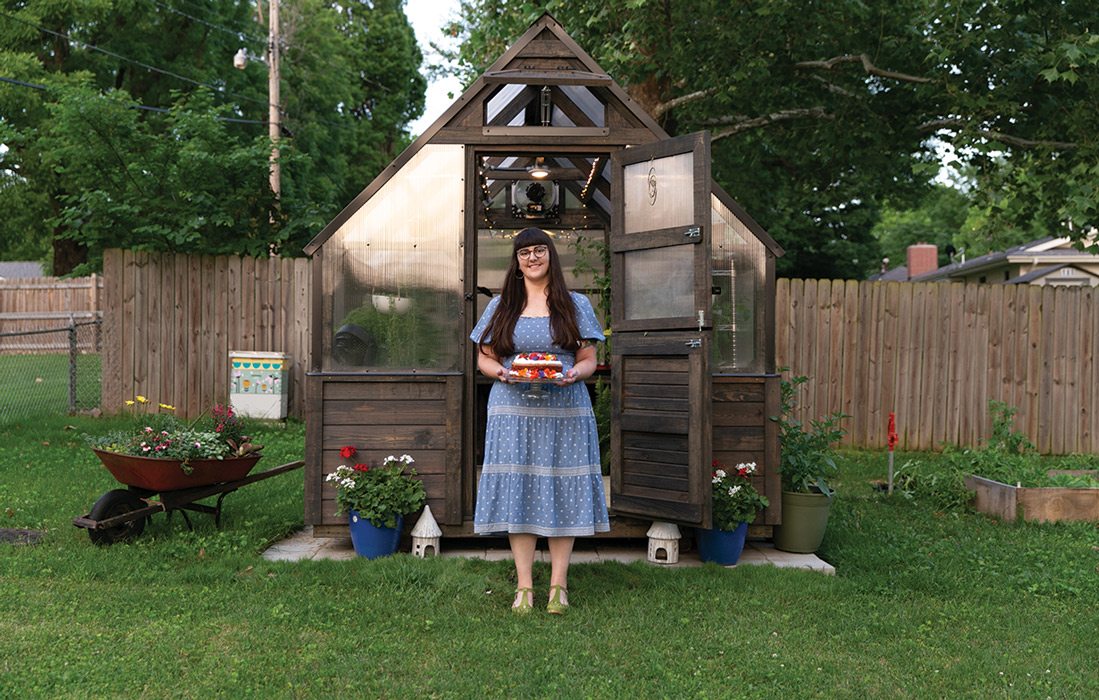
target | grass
x=39, y=384
x=924, y=604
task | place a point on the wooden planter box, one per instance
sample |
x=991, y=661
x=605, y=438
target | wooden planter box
x=1034, y=504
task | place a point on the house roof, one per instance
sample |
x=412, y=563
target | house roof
x=15, y=270
x=896, y=274
x=1050, y=250
x=1040, y=272
x=511, y=68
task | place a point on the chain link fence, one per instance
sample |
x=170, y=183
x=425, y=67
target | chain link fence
x=50, y=371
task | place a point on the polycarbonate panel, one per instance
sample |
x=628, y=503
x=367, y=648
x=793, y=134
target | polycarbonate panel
x=739, y=267
x=393, y=272
x=659, y=193
x=592, y=107
x=659, y=283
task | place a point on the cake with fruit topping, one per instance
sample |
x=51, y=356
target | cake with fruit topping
x=535, y=366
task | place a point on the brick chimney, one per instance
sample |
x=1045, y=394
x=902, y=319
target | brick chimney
x=922, y=259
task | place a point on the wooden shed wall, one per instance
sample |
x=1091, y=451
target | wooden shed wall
x=382, y=416
x=743, y=432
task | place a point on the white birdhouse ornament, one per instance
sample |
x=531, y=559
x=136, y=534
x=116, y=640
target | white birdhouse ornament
x=426, y=534
x=663, y=543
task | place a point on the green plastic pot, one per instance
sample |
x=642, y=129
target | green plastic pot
x=804, y=519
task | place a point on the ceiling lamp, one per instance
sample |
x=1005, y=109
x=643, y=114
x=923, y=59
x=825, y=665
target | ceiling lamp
x=538, y=171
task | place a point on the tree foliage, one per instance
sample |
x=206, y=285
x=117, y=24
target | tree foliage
x=128, y=125
x=821, y=112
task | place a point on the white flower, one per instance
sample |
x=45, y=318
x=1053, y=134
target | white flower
x=749, y=467
x=716, y=479
x=407, y=459
x=733, y=490
x=721, y=474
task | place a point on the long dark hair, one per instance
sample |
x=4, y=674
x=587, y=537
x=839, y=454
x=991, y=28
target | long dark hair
x=513, y=297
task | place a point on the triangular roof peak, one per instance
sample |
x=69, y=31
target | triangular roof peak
x=544, y=55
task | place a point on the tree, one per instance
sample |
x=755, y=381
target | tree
x=127, y=126
x=820, y=112
x=940, y=218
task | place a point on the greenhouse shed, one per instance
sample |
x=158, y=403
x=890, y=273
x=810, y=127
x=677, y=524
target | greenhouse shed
x=546, y=138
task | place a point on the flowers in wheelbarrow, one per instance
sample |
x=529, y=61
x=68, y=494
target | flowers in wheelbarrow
x=379, y=493
x=216, y=434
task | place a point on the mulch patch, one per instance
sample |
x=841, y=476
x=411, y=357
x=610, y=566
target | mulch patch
x=15, y=536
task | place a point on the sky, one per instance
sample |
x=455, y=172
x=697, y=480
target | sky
x=427, y=18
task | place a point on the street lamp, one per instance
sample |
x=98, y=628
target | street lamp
x=274, y=129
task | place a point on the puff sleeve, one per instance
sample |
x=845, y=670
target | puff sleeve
x=486, y=318
x=590, y=328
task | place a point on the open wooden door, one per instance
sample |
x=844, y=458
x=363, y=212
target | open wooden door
x=661, y=293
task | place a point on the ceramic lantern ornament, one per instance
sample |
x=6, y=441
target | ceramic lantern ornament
x=663, y=537
x=426, y=534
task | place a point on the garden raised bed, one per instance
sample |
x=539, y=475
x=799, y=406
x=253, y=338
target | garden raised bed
x=1035, y=504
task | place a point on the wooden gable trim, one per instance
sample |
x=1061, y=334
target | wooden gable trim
x=547, y=77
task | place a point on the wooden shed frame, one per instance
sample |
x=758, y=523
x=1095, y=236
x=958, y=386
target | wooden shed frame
x=672, y=411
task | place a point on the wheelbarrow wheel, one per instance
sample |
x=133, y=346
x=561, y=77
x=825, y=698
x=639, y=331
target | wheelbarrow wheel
x=110, y=505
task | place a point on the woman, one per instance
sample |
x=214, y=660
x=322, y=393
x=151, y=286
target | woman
x=541, y=474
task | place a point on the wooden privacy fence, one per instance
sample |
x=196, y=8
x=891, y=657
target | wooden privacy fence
x=936, y=353
x=41, y=303
x=171, y=321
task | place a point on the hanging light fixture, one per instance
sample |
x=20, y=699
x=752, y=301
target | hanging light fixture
x=538, y=171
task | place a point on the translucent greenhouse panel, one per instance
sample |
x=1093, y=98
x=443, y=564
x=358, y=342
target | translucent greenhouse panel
x=393, y=271
x=659, y=283
x=655, y=191
x=738, y=271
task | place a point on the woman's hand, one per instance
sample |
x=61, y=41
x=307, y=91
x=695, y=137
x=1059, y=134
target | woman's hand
x=570, y=378
x=502, y=375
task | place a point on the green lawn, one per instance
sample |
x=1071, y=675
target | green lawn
x=34, y=385
x=924, y=604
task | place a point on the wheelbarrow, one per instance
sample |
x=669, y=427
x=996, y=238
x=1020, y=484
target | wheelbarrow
x=165, y=486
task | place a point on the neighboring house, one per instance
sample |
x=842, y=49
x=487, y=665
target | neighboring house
x=15, y=270
x=1051, y=261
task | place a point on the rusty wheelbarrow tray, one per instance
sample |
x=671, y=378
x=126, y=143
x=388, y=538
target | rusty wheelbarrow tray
x=120, y=514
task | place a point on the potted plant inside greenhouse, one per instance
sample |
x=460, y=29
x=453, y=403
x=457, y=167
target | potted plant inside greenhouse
x=807, y=463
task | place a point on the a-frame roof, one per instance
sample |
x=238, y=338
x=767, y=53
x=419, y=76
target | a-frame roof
x=544, y=54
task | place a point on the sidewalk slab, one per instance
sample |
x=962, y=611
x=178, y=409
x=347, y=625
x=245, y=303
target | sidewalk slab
x=303, y=546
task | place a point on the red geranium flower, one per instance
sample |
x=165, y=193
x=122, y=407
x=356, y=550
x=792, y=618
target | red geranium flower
x=361, y=467
x=347, y=451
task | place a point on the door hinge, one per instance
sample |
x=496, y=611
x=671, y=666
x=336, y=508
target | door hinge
x=693, y=232
x=694, y=343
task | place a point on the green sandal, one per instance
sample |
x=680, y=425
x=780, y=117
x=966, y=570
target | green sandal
x=526, y=602
x=555, y=606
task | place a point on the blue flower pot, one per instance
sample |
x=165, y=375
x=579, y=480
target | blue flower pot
x=722, y=546
x=371, y=541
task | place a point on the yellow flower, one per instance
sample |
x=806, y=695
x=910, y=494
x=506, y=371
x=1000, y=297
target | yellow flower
x=141, y=399
x=129, y=403
x=166, y=407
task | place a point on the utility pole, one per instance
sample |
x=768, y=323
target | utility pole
x=274, y=127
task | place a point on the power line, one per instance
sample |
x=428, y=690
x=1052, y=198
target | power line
x=146, y=66
x=221, y=28
x=147, y=108
x=169, y=73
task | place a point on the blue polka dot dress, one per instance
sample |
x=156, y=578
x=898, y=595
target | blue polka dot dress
x=541, y=473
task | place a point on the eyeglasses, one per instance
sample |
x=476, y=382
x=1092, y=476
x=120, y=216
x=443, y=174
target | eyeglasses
x=538, y=251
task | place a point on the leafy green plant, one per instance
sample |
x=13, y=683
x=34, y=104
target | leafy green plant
x=808, y=457
x=380, y=494
x=940, y=484
x=396, y=339
x=735, y=500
